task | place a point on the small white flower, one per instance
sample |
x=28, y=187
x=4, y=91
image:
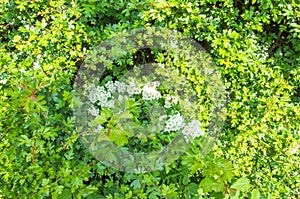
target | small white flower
x=102, y=96
x=109, y=104
x=150, y=92
x=133, y=88
x=93, y=111
x=174, y=123
x=192, y=129
x=92, y=93
x=92, y=97
x=110, y=86
x=36, y=65
x=3, y=81
x=280, y=128
x=100, y=89
x=169, y=100
x=122, y=97
x=22, y=70
x=163, y=117
x=167, y=104
x=120, y=86
x=98, y=129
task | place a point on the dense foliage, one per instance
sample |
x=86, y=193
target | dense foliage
x=256, y=47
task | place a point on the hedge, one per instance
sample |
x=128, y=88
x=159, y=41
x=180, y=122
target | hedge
x=255, y=46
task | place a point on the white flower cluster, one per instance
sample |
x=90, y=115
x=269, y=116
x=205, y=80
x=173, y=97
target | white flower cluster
x=133, y=87
x=192, y=129
x=110, y=86
x=169, y=100
x=103, y=95
x=93, y=111
x=150, y=92
x=98, y=129
x=174, y=123
x=122, y=97
x=120, y=87
x=100, y=96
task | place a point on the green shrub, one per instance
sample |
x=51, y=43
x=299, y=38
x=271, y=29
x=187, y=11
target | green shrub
x=256, y=47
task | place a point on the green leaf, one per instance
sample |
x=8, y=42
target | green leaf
x=206, y=184
x=242, y=184
x=192, y=188
x=118, y=137
x=124, y=115
x=66, y=194
x=237, y=195
x=186, y=179
x=16, y=38
x=136, y=184
x=103, y=117
x=255, y=194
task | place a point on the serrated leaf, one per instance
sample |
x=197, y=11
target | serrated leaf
x=124, y=115
x=206, y=184
x=136, y=184
x=242, y=184
x=237, y=195
x=192, y=188
x=103, y=117
x=118, y=137
x=255, y=194
x=66, y=194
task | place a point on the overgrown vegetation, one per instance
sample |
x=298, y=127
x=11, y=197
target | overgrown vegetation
x=255, y=45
